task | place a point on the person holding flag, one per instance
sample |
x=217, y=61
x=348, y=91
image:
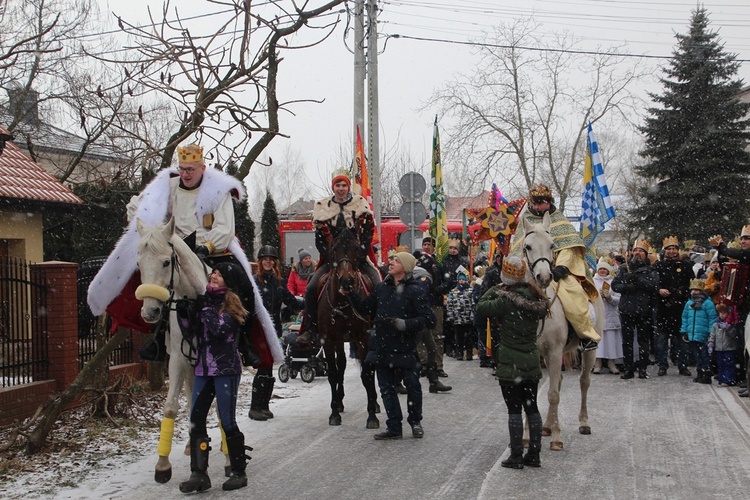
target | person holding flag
x=330, y=214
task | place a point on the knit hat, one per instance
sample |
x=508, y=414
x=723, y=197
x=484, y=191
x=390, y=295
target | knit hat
x=462, y=276
x=407, y=260
x=339, y=175
x=234, y=276
x=430, y=239
x=302, y=253
x=696, y=284
x=605, y=264
x=513, y=271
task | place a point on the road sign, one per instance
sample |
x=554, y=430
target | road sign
x=412, y=213
x=412, y=186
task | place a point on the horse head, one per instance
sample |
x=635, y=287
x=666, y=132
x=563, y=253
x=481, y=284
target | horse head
x=344, y=255
x=168, y=268
x=538, y=251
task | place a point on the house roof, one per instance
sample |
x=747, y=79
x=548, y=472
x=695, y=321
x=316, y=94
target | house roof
x=455, y=206
x=23, y=179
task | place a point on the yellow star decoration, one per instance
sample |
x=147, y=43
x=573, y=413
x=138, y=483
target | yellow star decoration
x=498, y=221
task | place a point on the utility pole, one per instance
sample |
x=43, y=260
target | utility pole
x=359, y=71
x=372, y=116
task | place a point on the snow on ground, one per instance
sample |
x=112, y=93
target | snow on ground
x=87, y=458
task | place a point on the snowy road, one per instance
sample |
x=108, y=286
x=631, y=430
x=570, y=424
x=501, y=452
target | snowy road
x=661, y=438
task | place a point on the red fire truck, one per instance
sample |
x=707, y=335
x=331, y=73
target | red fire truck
x=296, y=234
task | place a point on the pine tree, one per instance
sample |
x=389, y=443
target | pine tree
x=696, y=163
x=244, y=226
x=269, y=224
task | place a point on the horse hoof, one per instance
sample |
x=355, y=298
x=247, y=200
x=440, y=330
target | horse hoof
x=584, y=429
x=334, y=420
x=373, y=424
x=546, y=431
x=163, y=476
x=556, y=446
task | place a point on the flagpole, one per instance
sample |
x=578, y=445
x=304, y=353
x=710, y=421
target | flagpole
x=619, y=237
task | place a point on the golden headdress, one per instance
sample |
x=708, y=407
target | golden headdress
x=671, y=241
x=642, y=244
x=192, y=153
x=541, y=193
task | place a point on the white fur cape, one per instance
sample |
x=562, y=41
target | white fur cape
x=153, y=208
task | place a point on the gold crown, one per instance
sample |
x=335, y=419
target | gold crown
x=671, y=241
x=696, y=284
x=514, y=268
x=192, y=153
x=745, y=231
x=342, y=171
x=541, y=192
x=642, y=244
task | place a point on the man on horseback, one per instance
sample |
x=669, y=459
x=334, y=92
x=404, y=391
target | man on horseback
x=574, y=290
x=331, y=215
x=200, y=201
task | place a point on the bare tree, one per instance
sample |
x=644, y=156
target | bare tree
x=220, y=77
x=521, y=116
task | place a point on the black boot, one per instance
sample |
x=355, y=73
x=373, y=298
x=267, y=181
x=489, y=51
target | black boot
x=628, y=372
x=155, y=349
x=535, y=441
x=643, y=368
x=258, y=398
x=435, y=384
x=515, y=428
x=267, y=394
x=236, y=451
x=706, y=377
x=199, y=480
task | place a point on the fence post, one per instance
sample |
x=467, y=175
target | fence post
x=62, y=320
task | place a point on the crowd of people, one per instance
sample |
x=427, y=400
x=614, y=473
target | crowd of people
x=662, y=305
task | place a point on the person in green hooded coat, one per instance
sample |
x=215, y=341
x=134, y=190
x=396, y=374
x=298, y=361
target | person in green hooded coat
x=518, y=306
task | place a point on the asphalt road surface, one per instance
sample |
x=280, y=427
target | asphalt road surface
x=661, y=438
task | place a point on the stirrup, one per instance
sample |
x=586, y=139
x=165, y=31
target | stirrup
x=588, y=345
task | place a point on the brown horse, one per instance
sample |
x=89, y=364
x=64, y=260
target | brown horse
x=338, y=321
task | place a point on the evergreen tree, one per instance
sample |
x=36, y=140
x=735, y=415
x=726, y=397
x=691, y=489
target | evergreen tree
x=269, y=224
x=696, y=164
x=244, y=226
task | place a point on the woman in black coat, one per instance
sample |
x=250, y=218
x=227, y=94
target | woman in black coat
x=273, y=293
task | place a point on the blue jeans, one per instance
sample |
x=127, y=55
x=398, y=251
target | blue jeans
x=700, y=353
x=224, y=389
x=726, y=364
x=387, y=384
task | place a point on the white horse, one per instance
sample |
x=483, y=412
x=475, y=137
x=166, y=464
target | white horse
x=552, y=336
x=169, y=271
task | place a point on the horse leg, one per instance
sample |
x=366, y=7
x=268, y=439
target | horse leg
x=163, y=472
x=341, y=366
x=333, y=377
x=551, y=426
x=587, y=361
x=368, y=381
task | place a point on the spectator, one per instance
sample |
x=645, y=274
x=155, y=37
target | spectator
x=301, y=273
x=459, y=306
x=723, y=342
x=698, y=318
x=610, y=347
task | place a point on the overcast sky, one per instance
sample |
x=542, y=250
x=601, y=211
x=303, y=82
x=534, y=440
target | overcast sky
x=409, y=70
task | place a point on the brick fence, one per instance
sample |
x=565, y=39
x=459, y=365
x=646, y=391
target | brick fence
x=19, y=402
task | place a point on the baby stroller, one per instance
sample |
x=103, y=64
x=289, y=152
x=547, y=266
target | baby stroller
x=306, y=359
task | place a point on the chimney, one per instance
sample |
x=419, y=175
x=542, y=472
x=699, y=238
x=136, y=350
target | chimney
x=24, y=105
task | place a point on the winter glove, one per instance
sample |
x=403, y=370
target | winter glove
x=606, y=293
x=560, y=273
x=399, y=324
x=710, y=348
x=202, y=251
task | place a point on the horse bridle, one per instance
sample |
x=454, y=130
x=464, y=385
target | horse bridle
x=533, y=265
x=340, y=310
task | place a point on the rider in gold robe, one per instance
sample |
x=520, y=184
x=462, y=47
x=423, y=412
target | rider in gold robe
x=574, y=288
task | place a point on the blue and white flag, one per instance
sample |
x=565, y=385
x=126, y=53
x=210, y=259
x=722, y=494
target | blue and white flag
x=596, y=207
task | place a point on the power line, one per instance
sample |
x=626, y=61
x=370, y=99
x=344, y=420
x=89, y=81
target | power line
x=534, y=49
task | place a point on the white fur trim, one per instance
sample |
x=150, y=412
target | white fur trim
x=327, y=209
x=153, y=207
